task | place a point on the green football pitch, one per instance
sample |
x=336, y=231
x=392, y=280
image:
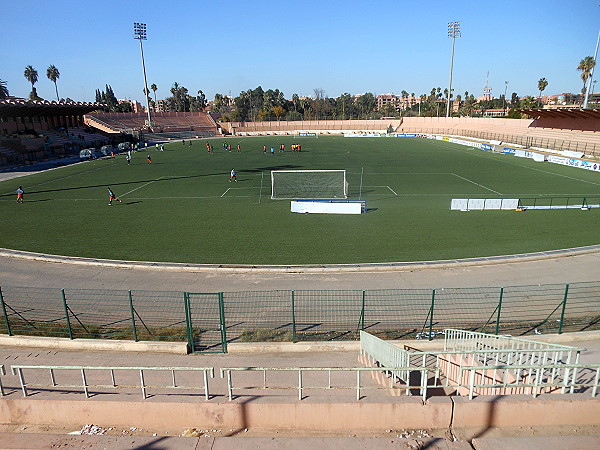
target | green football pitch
x=182, y=207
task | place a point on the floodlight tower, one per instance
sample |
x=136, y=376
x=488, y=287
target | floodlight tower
x=505, y=89
x=139, y=33
x=453, y=32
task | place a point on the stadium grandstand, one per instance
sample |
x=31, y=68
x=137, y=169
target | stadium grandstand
x=170, y=124
x=33, y=130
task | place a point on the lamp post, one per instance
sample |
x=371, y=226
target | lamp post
x=505, y=88
x=139, y=33
x=453, y=32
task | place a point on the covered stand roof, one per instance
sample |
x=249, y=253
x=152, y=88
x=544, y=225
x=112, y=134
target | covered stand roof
x=562, y=113
x=34, y=108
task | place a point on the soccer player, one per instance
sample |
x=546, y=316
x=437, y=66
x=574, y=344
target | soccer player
x=233, y=176
x=112, y=196
x=149, y=159
x=20, y=194
x=128, y=157
x=272, y=151
x=239, y=148
x=264, y=149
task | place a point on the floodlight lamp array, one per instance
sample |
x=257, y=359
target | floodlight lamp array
x=453, y=29
x=139, y=30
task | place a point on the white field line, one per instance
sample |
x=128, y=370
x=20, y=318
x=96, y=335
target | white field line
x=61, y=178
x=228, y=189
x=477, y=184
x=140, y=187
x=391, y=190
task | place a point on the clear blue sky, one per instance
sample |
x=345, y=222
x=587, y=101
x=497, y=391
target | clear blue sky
x=296, y=46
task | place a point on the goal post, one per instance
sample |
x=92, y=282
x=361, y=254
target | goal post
x=308, y=184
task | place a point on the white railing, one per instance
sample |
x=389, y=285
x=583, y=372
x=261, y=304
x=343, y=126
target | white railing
x=85, y=385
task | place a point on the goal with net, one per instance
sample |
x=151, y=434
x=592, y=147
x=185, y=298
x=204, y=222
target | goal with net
x=308, y=184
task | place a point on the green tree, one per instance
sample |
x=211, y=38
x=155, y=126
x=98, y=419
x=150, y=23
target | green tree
x=366, y=104
x=154, y=88
x=3, y=90
x=279, y=111
x=542, y=83
x=32, y=76
x=53, y=75
x=585, y=67
x=514, y=98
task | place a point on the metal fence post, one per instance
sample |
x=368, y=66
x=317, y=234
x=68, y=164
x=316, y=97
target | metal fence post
x=499, y=309
x=64, y=299
x=222, y=320
x=4, y=312
x=362, y=311
x=564, y=305
x=135, y=338
x=293, y=317
x=431, y=314
x=188, y=321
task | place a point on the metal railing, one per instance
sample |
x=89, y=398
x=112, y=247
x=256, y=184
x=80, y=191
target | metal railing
x=85, y=385
x=533, y=379
x=517, y=365
x=226, y=372
x=474, y=380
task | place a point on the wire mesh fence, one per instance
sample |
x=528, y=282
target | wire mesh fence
x=210, y=320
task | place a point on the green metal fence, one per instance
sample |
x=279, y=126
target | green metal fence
x=208, y=321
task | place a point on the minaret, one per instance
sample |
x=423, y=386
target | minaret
x=487, y=91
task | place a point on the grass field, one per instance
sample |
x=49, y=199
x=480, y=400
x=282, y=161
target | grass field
x=182, y=207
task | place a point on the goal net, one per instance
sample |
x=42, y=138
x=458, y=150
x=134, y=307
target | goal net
x=308, y=184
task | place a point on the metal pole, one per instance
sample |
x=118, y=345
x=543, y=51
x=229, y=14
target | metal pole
x=450, y=83
x=587, y=91
x=293, y=318
x=222, y=317
x=431, y=314
x=188, y=320
x=362, y=311
x=64, y=299
x=499, y=309
x=132, y=317
x=562, y=313
x=145, y=84
x=4, y=312
x=453, y=32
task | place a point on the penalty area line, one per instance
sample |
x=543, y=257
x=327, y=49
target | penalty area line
x=477, y=184
x=140, y=187
x=228, y=189
x=393, y=192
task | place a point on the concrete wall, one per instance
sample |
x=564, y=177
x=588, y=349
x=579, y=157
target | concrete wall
x=397, y=413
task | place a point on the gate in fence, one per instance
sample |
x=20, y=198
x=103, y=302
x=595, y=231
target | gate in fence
x=205, y=318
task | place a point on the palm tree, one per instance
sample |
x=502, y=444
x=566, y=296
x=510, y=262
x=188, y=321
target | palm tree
x=3, y=89
x=53, y=74
x=32, y=76
x=585, y=66
x=542, y=83
x=154, y=88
